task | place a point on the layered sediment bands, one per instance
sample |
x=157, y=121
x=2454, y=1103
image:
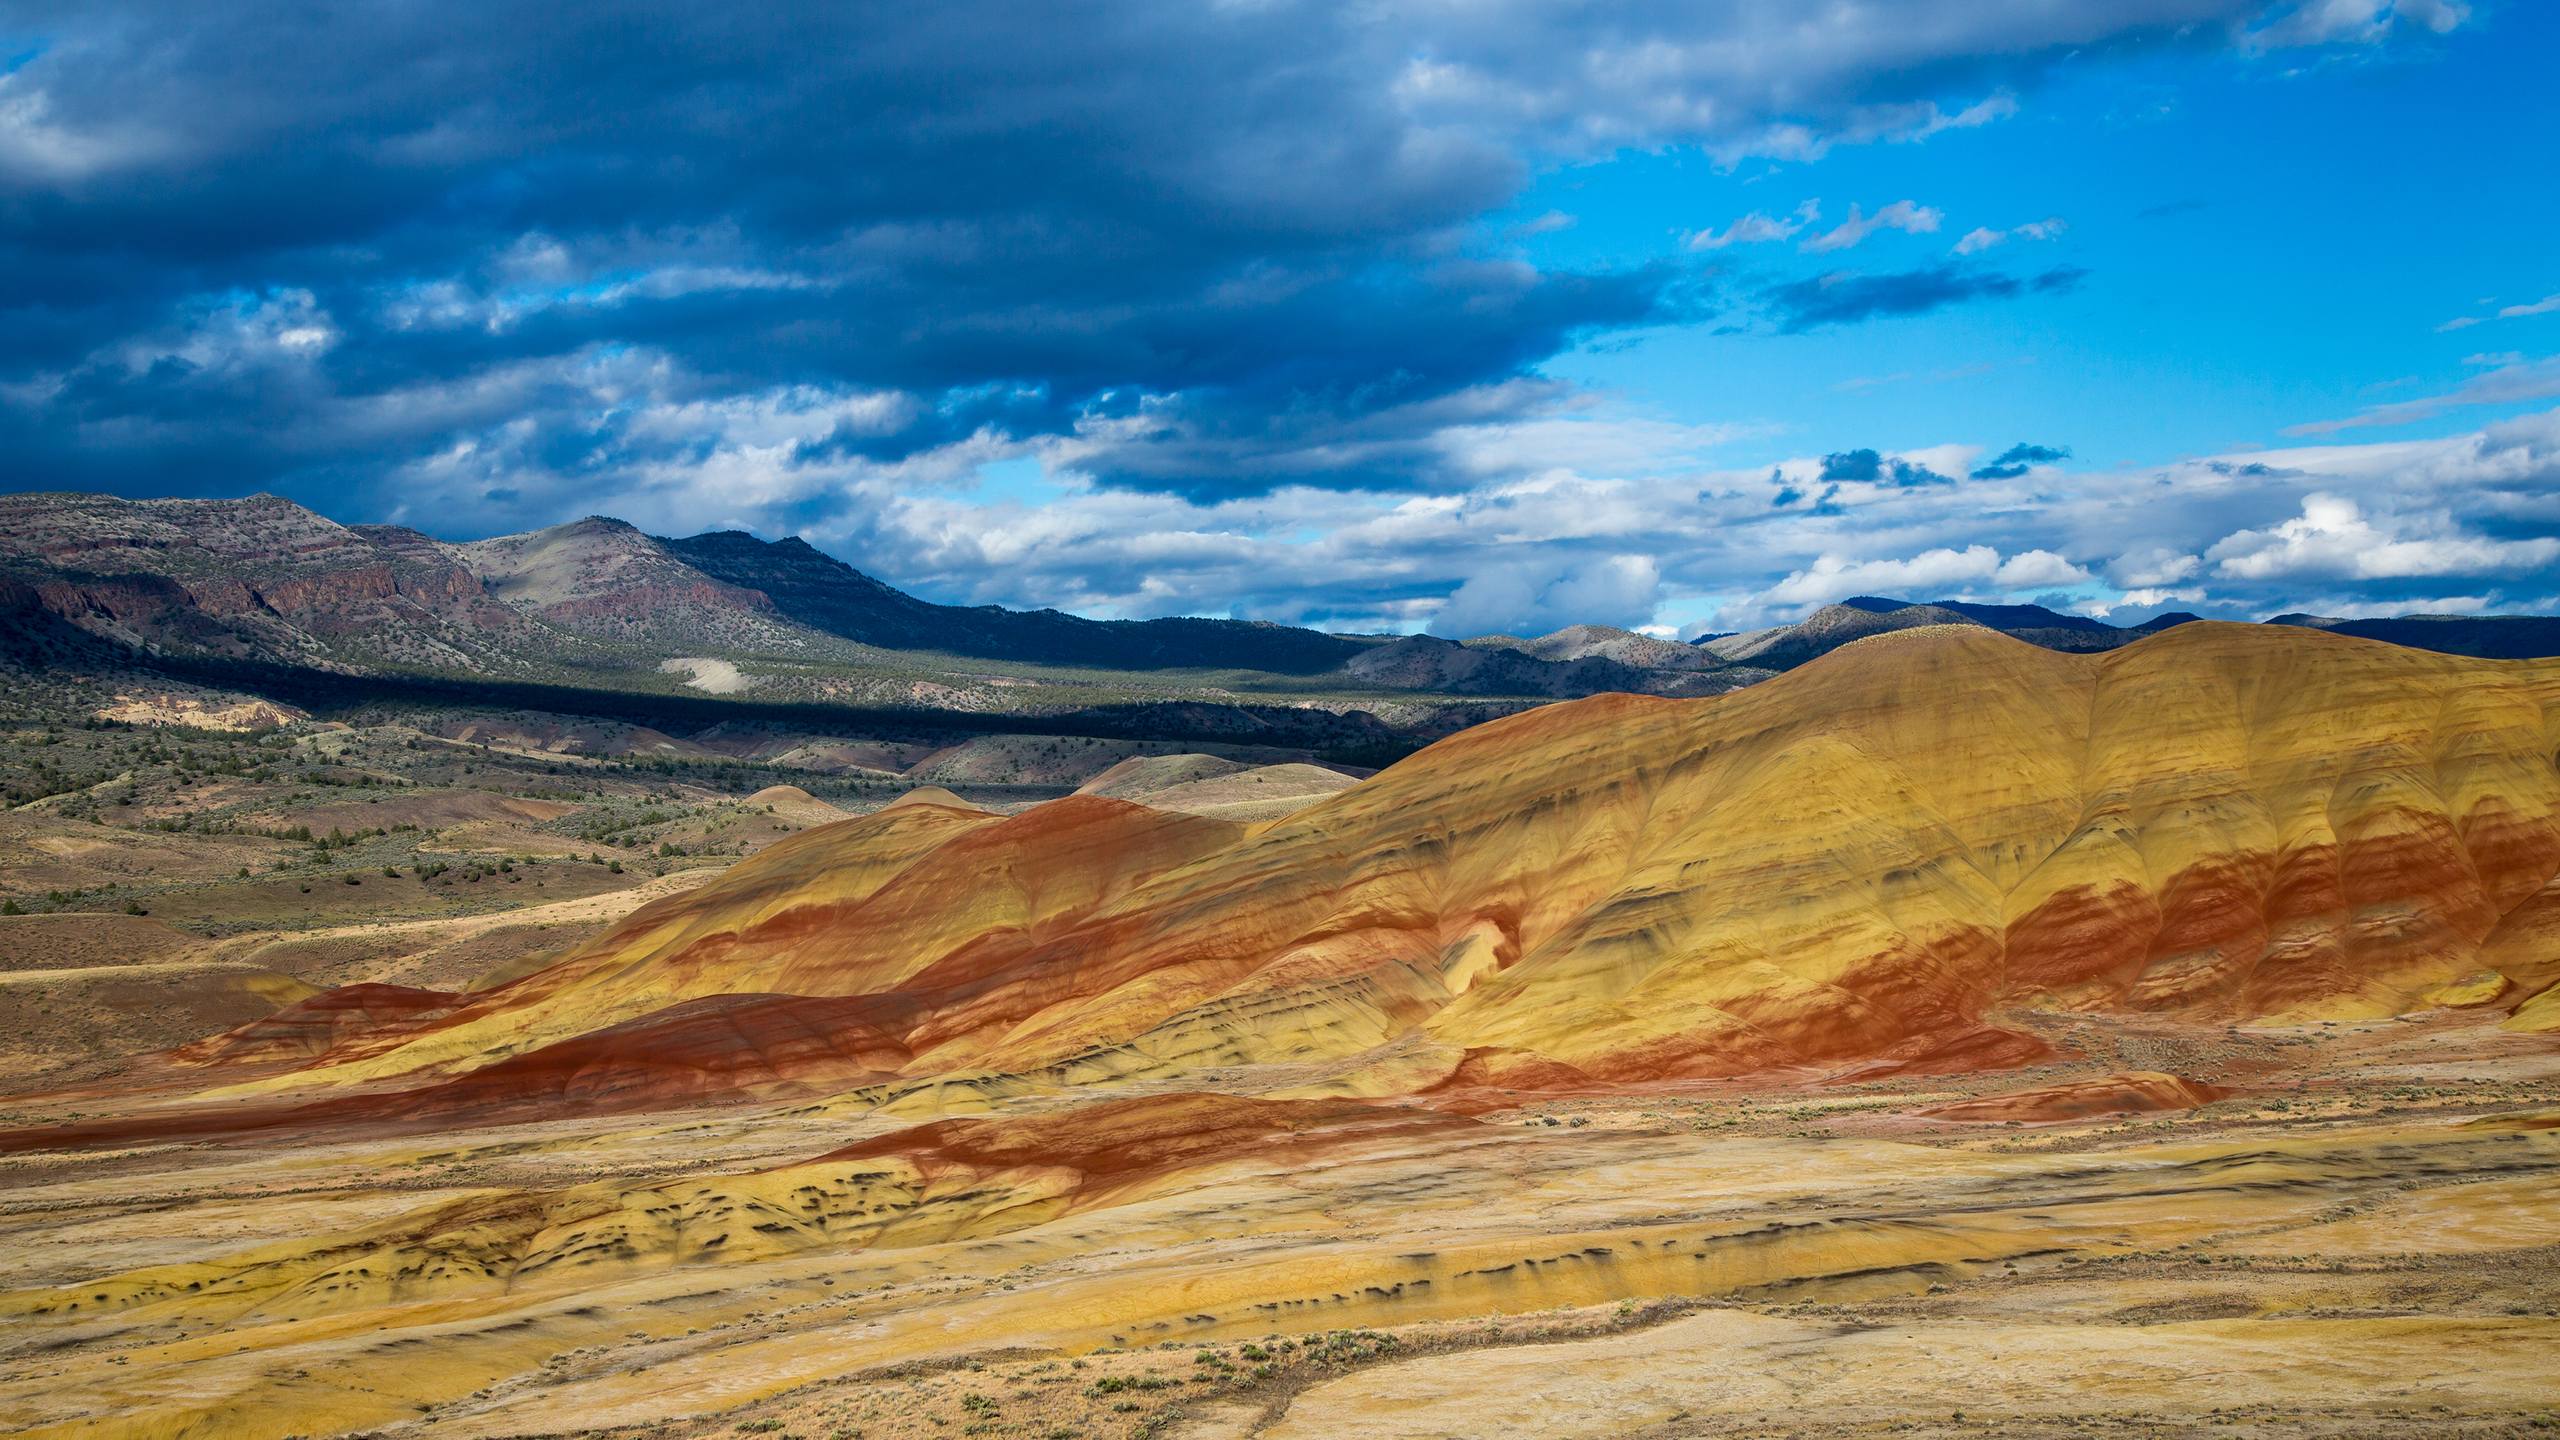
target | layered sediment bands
x=1860, y=863
x=718, y=1048
x=946, y=1181
x=1180, y=1218
x=846, y=909
x=1114, y=1144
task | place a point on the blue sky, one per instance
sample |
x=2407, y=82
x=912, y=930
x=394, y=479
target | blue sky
x=1424, y=316
x=2268, y=239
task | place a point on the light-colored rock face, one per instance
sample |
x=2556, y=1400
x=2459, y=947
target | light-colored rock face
x=596, y=573
x=707, y=674
x=570, y=563
x=1860, y=863
x=605, y=580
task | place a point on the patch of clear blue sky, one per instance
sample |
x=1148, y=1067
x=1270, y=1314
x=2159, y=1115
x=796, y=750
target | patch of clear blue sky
x=2268, y=241
x=1019, y=479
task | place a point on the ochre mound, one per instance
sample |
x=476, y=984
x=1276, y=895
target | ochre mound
x=1858, y=864
x=2133, y=1092
x=919, y=899
x=1222, y=789
x=928, y=795
x=1142, y=775
x=794, y=804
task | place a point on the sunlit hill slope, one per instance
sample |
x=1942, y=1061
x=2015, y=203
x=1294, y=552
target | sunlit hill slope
x=1866, y=861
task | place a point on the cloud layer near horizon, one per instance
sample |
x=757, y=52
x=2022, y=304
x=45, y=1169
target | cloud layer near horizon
x=2461, y=524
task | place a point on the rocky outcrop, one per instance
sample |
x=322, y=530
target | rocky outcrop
x=260, y=579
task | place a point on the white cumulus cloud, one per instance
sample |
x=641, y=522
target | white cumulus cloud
x=1981, y=238
x=1937, y=572
x=1756, y=229
x=2333, y=537
x=2152, y=566
x=1908, y=216
x=1620, y=590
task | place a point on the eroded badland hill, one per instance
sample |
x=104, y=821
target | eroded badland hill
x=1950, y=1036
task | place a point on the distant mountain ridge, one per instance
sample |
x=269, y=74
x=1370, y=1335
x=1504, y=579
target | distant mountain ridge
x=1783, y=647
x=1604, y=642
x=263, y=579
x=819, y=591
x=266, y=580
x=1565, y=664
x=598, y=600
x=2487, y=637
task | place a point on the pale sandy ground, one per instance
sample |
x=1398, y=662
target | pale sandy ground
x=2362, y=1246
x=198, y=712
x=448, y=930
x=718, y=677
x=457, y=951
x=1721, y=1369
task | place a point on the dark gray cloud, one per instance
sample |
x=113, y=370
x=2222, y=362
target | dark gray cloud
x=1869, y=467
x=1846, y=297
x=1225, y=247
x=2018, y=459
